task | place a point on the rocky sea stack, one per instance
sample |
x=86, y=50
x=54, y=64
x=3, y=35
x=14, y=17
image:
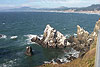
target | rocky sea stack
x=54, y=39
x=51, y=38
x=29, y=51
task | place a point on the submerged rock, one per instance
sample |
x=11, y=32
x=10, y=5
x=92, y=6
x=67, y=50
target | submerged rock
x=0, y=35
x=51, y=38
x=29, y=51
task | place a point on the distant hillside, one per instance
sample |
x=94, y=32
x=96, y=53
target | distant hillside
x=89, y=8
x=28, y=9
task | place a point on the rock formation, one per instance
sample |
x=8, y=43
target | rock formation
x=82, y=35
x=29, y=51
x=96, y=28
x=51, y=38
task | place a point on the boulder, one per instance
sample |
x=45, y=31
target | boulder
x=29, y=51
x=36, y=39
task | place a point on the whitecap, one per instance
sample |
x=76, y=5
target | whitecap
x=13, y=37
x=3, y=23
x=41, y=37
x=74, y=53
x=47, y=62
x=75, y=34
x=10, y=63
x=3, y=36
x=63, y=60
x=29, y=37
x=53, y=61
x=67, y=35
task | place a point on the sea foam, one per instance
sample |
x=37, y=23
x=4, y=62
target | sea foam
x=3, y=36
x=10, y=63
x=29, y=37
x=13, y=37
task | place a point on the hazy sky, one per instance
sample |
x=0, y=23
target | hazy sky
x=46, y=3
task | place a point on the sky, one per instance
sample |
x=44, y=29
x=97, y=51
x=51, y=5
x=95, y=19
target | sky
x=4, y=4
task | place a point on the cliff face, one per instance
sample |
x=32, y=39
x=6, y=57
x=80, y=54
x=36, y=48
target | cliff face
x=96, y=28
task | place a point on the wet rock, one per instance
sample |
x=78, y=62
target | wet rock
x=29, y=51
x=36, y=39
x=0, y=35
x=71, y=58
x=59, y=61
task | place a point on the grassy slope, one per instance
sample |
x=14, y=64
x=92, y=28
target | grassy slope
x=88, y=59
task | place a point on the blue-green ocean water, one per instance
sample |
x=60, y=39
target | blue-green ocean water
x=22, y=24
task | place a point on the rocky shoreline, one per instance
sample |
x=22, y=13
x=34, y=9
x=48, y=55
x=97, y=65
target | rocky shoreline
x=54, y=39
x=72, y=11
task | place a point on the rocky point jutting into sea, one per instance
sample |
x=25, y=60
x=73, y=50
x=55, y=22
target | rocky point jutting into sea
x=54, y=39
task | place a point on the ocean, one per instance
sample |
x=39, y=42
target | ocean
x=24, y=25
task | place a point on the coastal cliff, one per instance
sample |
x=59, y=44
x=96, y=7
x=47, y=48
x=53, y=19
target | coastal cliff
x=88, y=59
x=54, y=39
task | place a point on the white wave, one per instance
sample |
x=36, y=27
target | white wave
x=47, y=62
x=41, y=37
x=63, y=60
x=75, y=34
x=67, y=35
x=53, y=61
x=3, y=36
x=29, y=37
x=13, y=37
x=73, y=52
x=10, y=63
x=3, y=23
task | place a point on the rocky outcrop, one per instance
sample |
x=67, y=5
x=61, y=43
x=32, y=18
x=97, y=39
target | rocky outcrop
x=81, y=42
x=51, y=38
x=82, y=35
x=96, y=28
x=29, y=51
x=84, y=39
